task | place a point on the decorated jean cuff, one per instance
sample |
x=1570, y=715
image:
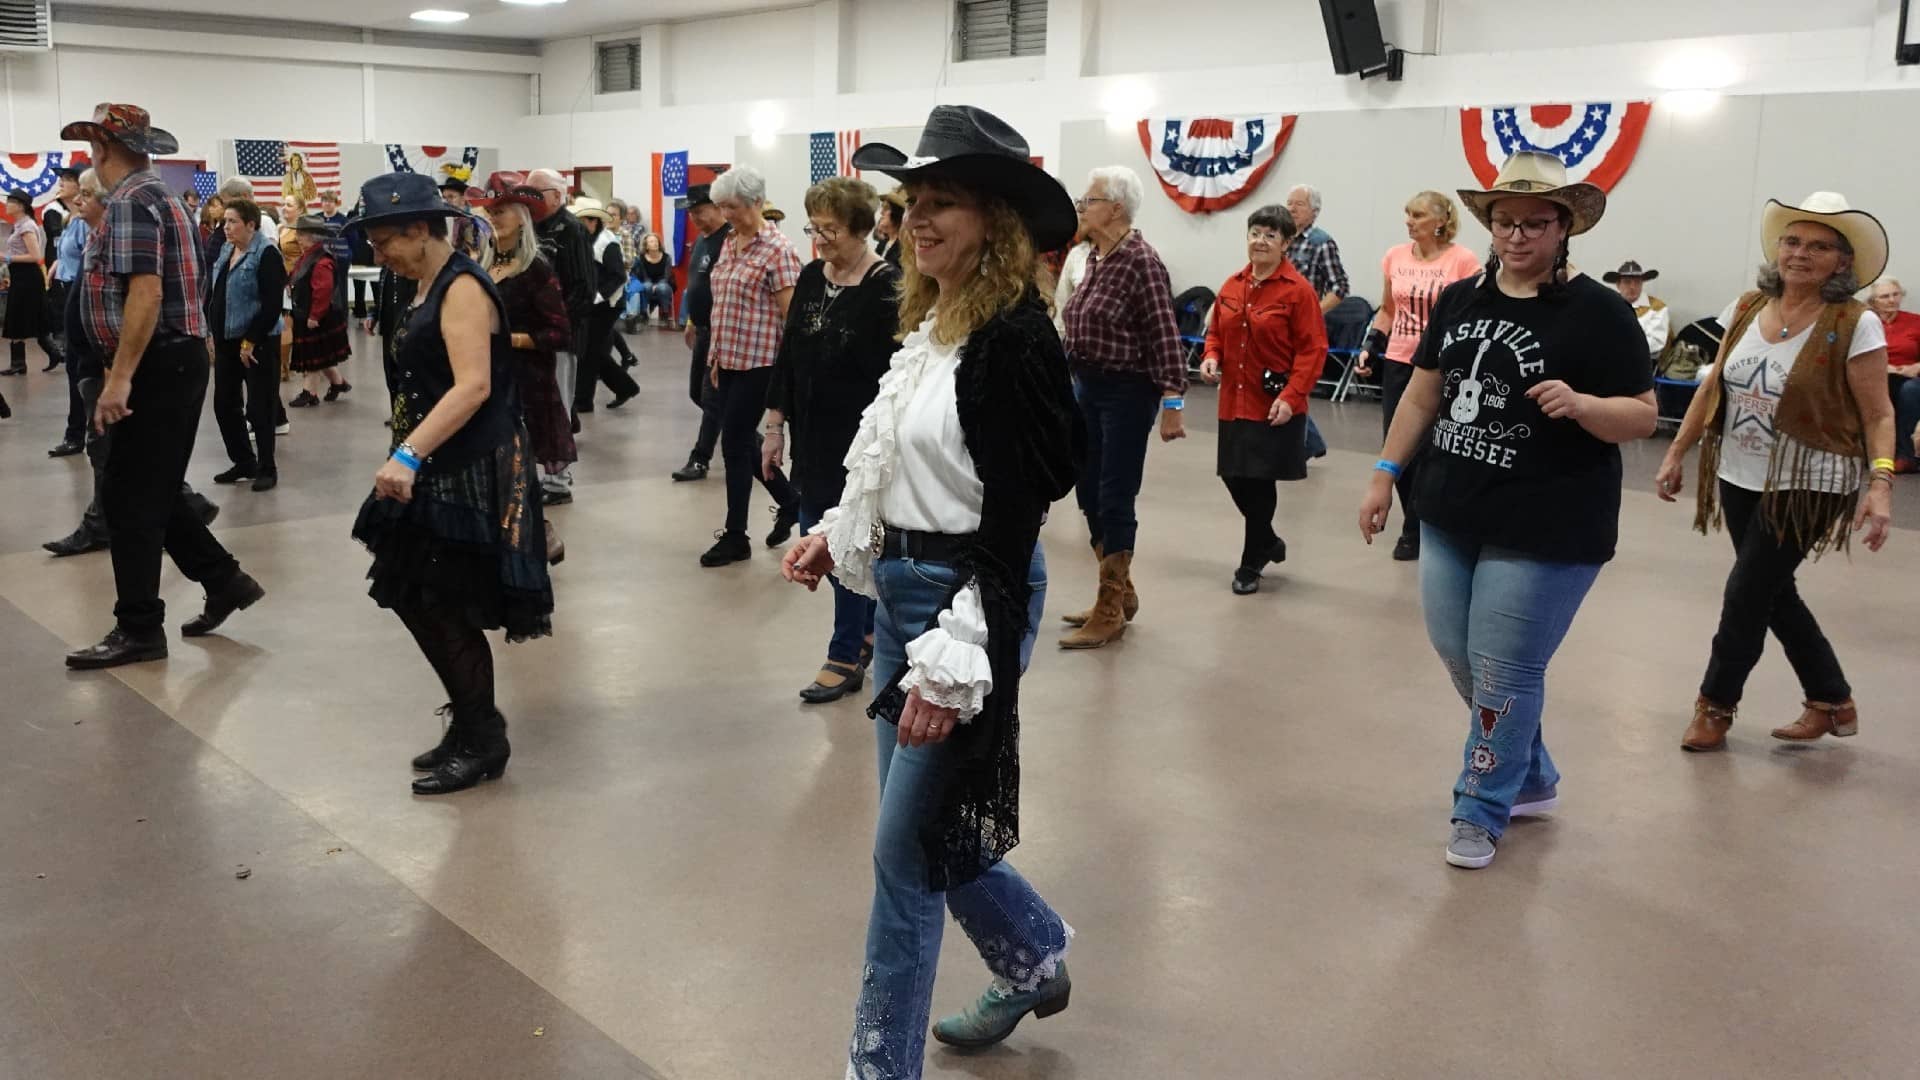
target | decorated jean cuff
x=948, y=664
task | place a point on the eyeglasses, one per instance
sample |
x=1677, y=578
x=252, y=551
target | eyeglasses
x=1811, y=247
x=1532, y=228
x=1265, y=234
x=822, y=232
x=1081, y=204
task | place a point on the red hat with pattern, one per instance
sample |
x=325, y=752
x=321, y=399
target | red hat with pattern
x=128, y=125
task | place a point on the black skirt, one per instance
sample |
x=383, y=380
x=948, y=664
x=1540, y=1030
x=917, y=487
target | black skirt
x=1256, y=450
x=26, y=301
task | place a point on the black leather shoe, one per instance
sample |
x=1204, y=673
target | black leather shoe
x=52, y=363
x=1279, y=552
x=692, y=470
x=266, y=481
x=1407, y=549
x=784, y=519
x=449, y=739
x=240, y=594
x=203, y=508
x=67, y=449
x=78, y=542
x=476, y=755
x=1246, y=582
x=334, y=391
x=236, y=474
x=729, y=548
x=303, y=400
x=620, y=399
x=117, y=648
x=820, y=694
x=555, y=496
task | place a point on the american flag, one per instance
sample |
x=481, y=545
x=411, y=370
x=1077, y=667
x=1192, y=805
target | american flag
x=264, y=162
x=205, y=183
x=830, y=153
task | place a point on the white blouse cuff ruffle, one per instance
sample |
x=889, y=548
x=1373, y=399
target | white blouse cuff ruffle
x=948, y=664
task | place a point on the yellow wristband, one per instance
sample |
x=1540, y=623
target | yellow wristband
x=1883, y=463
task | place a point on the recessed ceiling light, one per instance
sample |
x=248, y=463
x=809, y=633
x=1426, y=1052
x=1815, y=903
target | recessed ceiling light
x=439, y=15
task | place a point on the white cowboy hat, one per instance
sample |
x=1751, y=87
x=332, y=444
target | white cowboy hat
x=584, y=207
x=1863, y=231
x=1539, y=175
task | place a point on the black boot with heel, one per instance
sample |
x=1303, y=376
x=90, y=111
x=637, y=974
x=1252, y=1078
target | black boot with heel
x=480, y=752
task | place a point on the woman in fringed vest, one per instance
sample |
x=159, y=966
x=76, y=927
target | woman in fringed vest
x=1792, y=420
x=972, y=435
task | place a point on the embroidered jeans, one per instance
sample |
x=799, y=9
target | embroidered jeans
x=1018, y=935
x=1496, y=617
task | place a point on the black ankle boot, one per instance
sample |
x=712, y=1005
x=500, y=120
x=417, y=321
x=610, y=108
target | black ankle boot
x=438, y=756
x=480, y=753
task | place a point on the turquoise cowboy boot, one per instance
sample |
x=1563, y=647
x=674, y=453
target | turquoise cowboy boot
x=1000, y=1010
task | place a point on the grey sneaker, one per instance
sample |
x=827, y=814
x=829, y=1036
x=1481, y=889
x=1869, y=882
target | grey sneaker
x=1535, y=803
x=1471, y=847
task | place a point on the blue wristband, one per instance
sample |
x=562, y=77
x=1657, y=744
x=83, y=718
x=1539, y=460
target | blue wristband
x=1388, y=467
x=407, y=459
x=1174, y=403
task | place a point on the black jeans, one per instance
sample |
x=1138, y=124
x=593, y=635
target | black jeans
x=1120, y=411
x=597, y=365
x=246, y=395
x=1394, y=378
x=743, y=401
x=701, y=389
x=145, y=510
x=1761, y=596
x=361, y=290
x=1257, y=500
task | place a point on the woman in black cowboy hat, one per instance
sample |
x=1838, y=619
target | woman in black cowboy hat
x=454, y=519
x=972, y=435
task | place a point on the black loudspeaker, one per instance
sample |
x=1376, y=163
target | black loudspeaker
x=1353, y=33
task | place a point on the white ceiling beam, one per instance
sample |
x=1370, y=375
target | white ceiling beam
x=85, y=36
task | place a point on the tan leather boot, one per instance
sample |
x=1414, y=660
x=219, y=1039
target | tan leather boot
x=1708, y=731
x=1129, y=600
x=1079, y=618
x=1822, y=718
x=1107, y=622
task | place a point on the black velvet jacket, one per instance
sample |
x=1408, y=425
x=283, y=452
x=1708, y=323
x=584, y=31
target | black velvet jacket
x=1024, y=432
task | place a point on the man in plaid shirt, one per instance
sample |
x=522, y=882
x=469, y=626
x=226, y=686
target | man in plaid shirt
x=1124, y=349
x=1317, y=257
x=142, y=308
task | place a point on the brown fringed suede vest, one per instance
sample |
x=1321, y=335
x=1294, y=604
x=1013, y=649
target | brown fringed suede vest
x=1816, y=413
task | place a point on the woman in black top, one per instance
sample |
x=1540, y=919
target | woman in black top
x=454, y=519
x=839, y=339
x=1530, y=378
x=243, y=310
x=654, y=270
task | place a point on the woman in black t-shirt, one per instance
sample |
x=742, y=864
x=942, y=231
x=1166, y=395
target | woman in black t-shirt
x=1528, y=377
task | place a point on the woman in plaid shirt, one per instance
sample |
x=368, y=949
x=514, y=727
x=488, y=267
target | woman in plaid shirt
x=752, y=285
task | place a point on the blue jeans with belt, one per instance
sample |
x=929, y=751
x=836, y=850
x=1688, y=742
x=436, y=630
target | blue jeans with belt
x=1018, y=935
x=1496, y=617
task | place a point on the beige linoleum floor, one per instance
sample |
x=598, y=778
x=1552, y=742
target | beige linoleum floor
x=1241, y=808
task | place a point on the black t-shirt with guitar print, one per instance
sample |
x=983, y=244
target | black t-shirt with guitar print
x=1496, y=469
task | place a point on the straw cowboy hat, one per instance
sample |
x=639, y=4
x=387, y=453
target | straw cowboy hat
x=978, y=150
x=585, y=207
x=1863, y=231
x=1537, y=174
x=1629, y=269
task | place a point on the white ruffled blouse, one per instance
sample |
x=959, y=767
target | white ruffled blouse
x=909, y=468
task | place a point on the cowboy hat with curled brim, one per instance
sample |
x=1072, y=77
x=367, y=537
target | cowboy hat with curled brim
x=517, y=195
x=128, y=125
x=1629, y=269
x=1863, y=231
x=1536, y=174
x=584, y=207
x=977, y=150
x=397, y=199
x=315, y=223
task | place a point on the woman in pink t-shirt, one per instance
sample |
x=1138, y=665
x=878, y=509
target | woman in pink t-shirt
x=1416, y=273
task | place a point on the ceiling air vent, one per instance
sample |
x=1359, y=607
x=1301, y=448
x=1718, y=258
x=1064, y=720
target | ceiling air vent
x=25, y=25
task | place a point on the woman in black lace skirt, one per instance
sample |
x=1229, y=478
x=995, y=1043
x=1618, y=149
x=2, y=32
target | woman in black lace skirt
x=454, y=519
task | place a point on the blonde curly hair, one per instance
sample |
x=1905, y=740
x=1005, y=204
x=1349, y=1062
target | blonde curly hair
x=1009, y=268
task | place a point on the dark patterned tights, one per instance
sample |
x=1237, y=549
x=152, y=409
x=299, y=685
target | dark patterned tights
x=459, y=654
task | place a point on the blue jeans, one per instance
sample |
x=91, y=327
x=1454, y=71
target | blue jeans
x=1120, y=411
x=1018, y=935
x=1906, y=414
x=1316, y=442
x=852, y=613
x=1496, y=617
x=644, y=297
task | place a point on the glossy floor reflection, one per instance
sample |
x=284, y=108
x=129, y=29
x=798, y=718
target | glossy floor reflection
x=1241, y=808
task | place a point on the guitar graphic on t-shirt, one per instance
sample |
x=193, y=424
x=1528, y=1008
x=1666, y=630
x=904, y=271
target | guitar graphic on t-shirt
x=1466, y=400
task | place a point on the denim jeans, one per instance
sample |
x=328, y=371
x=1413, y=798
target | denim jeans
x=1018, y=935
x=1316, y=442
x=1906, y=415
x=1119, y=411
x=852, y=613
x=1496, y=617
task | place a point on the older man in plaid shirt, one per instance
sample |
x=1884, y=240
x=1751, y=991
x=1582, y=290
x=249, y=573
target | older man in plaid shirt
x=1317, y=257
x=142, y=308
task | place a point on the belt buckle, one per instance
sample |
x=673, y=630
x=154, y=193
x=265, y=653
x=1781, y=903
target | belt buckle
x=877, y=540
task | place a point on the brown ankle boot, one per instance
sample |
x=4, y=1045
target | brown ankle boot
x=1822, y=718
x=1129, y=600
x=1107, y=621
x=1708, y=731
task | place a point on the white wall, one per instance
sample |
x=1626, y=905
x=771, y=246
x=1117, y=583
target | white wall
x=743, y=57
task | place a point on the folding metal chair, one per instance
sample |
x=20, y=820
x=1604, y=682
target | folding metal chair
x=1347, y=327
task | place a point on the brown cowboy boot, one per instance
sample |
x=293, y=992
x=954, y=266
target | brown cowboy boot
x=1708, y=731
x=1822, y=718
x=1108, y=621
x=1129, y=600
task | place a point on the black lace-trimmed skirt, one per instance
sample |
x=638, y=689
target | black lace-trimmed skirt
x=472, y=540
x=321, y=347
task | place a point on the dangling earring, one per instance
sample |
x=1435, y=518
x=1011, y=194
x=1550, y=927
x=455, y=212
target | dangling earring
x=985, y=257
x=1439, y=230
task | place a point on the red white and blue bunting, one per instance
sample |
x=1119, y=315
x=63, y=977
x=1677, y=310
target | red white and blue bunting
x=435, y=160
x=34, y=173
x=1597, y=140
x=1210, y=163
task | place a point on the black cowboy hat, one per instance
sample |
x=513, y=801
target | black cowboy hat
x=976, y=149
x=1629, y=269
x=398, y=198
x=697, y=195
x=453, y=184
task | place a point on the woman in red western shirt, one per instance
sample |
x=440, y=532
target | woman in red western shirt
x=1265, y=349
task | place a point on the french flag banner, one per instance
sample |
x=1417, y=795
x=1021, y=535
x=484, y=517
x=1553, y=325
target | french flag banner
x=1597, y=140
x=1209, y=164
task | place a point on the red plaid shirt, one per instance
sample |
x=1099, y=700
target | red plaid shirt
x=1120, y=319
x=746, y=323
x=146, y=231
